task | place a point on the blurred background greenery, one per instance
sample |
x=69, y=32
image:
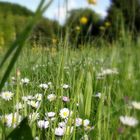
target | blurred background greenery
x=81, y=26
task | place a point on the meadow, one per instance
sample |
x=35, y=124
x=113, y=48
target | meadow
x=79, y=94
x=62, y=92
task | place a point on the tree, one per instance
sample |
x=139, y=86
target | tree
x=82, y=25
x=124, y=15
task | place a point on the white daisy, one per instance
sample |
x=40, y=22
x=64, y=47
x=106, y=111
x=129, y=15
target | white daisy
x=98, y=95
x=25, y=81
x=36, y=138
x=19, y=106
x=7, y=95
x=43, y=124
x=44, y=86
x=12, y=120
x=34, y=104
x=65, y=86
x=59, y=131
x=26, y=98
x=51, y=97
x=50, y=114
x=64, y=113
x=130, y=121
x=49, y=83
x=38, y=96
x=62, y=124
x=86, y=122
x=78, y=122
x=136, y=105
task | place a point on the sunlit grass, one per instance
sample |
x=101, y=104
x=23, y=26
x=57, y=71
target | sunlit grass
x=96, y=84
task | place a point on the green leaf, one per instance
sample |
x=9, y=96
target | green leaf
x=88, y=95
x=21, y=132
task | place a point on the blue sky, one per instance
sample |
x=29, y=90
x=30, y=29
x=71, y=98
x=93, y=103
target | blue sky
x=53, y=10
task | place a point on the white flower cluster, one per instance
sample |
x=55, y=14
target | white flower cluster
x=33, y=101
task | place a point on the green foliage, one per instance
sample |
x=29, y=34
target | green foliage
x=82, y=32
x=44, y=32
x=14, y=9
x=14, y=19
x=123, y=15
x=21, y=132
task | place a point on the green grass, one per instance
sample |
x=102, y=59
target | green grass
x=79, y=69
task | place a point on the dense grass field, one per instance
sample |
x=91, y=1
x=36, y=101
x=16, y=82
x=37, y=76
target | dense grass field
x=83, y=94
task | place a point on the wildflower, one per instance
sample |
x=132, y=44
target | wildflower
x=92, y=1
x=51, y=97
x=88, y=128
x=53, y=118
x=19, y=106
x=65, y=99
x=44, y=86
x=59, y=131
x=50, y=114
x=77, y=104
x=130, y=121
x=38, y=96
x=25, y=81
x=49, y=83
x=136, y=105
x=83, y=20
x=64, y=113
x=86, y=122
x=77, y=28
x=65, y=86
x=34, y=104
x=78, y=122
x=13, y=79
x=36, y=138
x=85, y=137
x=43, y=124
x=62, y=124
x=98, y=95
x=26, y=98
x=7, y=95
x=12, y=120
x=105, y=72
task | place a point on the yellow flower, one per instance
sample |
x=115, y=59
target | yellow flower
x=83, y=20
x=92, y=1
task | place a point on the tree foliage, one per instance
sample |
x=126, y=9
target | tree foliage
x=82, y=24
x=124, y=15
x=13, y=19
